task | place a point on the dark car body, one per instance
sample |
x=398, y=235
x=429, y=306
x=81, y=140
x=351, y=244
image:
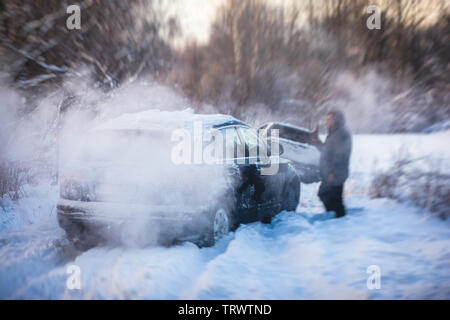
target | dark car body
x=176, y=208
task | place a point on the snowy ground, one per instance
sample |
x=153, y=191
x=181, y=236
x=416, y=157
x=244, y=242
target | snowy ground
x=298, y=256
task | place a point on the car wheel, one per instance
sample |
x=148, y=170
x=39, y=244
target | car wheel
x=292, y=195
x=81, y=241
x=267, y=220
x=220, y=225
x=83, y=244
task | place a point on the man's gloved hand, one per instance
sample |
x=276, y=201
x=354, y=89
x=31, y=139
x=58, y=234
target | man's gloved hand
x=315, y=135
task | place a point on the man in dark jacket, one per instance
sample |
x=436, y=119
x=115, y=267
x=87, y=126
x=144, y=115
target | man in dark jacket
x=334, y=162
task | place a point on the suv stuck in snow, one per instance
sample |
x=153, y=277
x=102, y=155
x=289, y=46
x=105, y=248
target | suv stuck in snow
x=121, y=182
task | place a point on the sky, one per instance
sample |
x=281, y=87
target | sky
x=196, y=17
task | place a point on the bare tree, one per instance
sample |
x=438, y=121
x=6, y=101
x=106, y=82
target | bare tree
x=117, y=40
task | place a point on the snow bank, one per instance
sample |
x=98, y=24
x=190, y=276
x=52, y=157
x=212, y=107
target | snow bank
x=36, y=207
x=373, y=154
x=293, y=258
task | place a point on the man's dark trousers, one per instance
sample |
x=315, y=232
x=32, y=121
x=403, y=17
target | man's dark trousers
x=331, y=196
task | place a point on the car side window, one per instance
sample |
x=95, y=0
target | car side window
x=256, y=146
x=250, y=137
x=233, y=147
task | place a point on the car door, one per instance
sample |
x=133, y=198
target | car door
x=238, y=165
x=267, y=173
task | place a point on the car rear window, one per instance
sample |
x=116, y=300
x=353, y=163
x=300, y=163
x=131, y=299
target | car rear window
x=123, y=147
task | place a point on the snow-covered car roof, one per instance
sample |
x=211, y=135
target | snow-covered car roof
x=157, y=120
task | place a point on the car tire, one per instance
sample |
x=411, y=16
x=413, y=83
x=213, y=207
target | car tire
x=267, y=220
x=292, y=195
x=81, y=241
x=82, y=245
x=220, y=224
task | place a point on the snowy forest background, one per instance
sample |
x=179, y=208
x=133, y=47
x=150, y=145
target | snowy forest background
x=295, y=57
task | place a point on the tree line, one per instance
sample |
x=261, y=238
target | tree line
x=284, y=60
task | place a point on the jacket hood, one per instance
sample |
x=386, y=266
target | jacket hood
x=338, y=119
